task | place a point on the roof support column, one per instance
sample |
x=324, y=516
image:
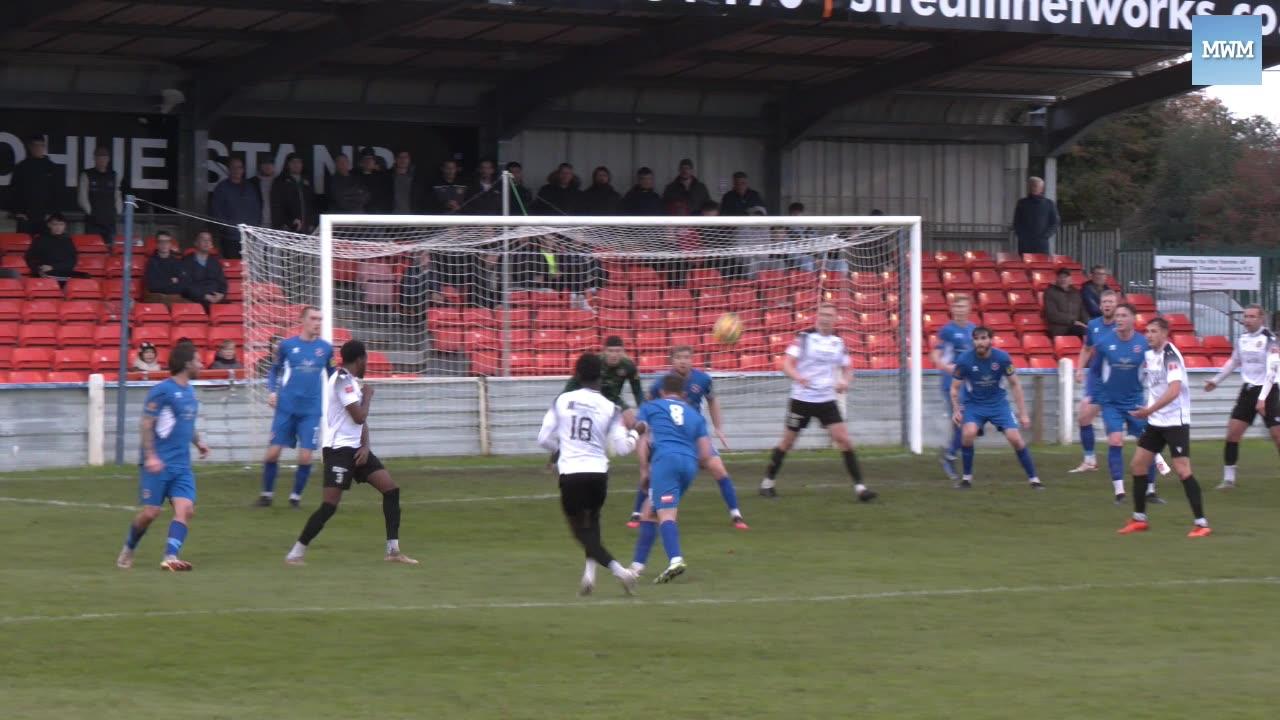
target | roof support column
x=193, y=152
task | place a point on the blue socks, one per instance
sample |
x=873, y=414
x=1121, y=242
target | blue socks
x=1086, y=438
x=177, y=536
x=671, y=538
x=134, y=537
x=1024, y=457
x=1115, y=462
x=641, y=496
x=644, y=542
x=967, y=454
x=954, y=447
x=269, y=470
x=729, y=494
x=299, y=479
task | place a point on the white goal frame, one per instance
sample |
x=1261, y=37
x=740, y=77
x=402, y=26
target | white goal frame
x=911, y=223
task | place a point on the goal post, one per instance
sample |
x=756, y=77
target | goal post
x=475, y=320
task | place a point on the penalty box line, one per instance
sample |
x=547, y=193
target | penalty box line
x=644, y=602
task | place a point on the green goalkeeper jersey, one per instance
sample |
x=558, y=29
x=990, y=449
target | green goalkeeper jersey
x=615, y=377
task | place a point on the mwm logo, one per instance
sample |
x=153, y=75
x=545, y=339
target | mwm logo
x=1226, y=50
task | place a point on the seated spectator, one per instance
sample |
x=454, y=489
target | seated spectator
x=1063, y=308
x=226, y=357
x=1091, y=293
x=147, y=359
x=741, y=198
x=642, y=200
x=206, y=280
x=165, y=277
x=560, y=195
x=347, y=194
x=52, y=254
x=685, y=195
x=484, y=194
x=521, y=197
x=600, y=198
x=235, y=201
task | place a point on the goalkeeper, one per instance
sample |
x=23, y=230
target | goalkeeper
x=618, y=371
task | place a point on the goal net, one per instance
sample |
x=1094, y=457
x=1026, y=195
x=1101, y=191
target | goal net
x=473, y=323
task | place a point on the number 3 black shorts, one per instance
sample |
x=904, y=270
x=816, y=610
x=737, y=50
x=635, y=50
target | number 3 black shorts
x=800, y=412
x=1246, y=408
x=1177, y=437
x=340, y=467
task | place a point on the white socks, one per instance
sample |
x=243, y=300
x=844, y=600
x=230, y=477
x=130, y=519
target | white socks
x=298, y=550
x=617, y=569
x=1229, y=473
x=393, y=547
x=859, y=488
x=1201, y=522
x=1118, y=486
x=766, y=484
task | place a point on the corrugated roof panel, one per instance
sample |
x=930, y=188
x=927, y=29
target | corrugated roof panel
x=221, y=49
x=737, y=42
x=1014, y=82
x=448, y=29
x=78, y=43
x=89, y=11
x=531, y=32
x=797, y=45
x=664, y=67
x=590, y=35
x=372, y=56
x=24, y=40
x=864, y=47
x=158, y=47
x=1096, y=58
x=715, y=70
x=150, y=14
x=775, y=73
x=293, y=22
x=224, y=18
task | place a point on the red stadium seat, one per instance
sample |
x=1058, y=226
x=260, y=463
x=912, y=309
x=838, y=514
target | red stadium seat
x=9, y=334
x=1217, y=344
x=106, y=359
x=949, y=259
x=647, y=297
x=15, y=243
x=41, y=310
x=232, y=269
x=581, y=340
x=1037, y=261
x=77, y=335
x=1037, y=344
x=11, y=289
x=553, y=362
x=1066, y=346
x=1015, y=280
x=93, y=265
x=986, y=278
x=157, y=335
x=378, y=364
x=449, y=338
x=187, y=313
x=75, y=311
x=1221, y=360
x=979, y=259
x=106, y=336
x=884, y=362
x=956, y=280
x=1022, y=300
x=67, y=376
x=1043, y=362
x=998, y=320
x=1007, y=342
x=649, y=318
x=547, y=339
x=31, y=358
x=645, y=275
x=1041, y=279
x=483, y=339
x=1186, y=342
x=993, y=300
x=756, y=362
x=38, y=334
x=235, y=292
x=81, y=289
x=149, y=314
x=1144, y=303
x=651, y=362
x=1065, y=261
x=742, y=298
x=1029, y=322
x=89, y=245
x=113, y=289
x=1198, y=361
x=28, y=377
x=115, y=266
x=651, y=341
x=198, y=334
x=36, y=288
x=73, y=359
x=1179, y=323
x=1140, y=321
x=10, y=310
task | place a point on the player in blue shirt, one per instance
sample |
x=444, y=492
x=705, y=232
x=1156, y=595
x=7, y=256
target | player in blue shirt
x=1118, y=359
x=679, y=442
x=1097, y=329
x=168, y=430
x=983, y=370
x=953, y=339
x=296, y=382
x=697, y=385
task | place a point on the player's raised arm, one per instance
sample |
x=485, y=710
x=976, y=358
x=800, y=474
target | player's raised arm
x=548, y=438
x=1232, y=363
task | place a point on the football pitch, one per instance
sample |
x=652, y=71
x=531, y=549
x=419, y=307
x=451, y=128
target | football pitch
x=999, y=602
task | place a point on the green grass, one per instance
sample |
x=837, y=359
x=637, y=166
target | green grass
x=930, y=603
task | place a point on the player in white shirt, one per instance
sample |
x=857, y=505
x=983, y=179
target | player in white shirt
x=583, y=426
x=819, y=367
x=1251, y=353
x=1168, y=416
x=347, y=456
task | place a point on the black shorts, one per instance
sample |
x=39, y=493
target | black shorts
x=1177, y=437
x=800, y=412
x=1246, y=408
x=583, y=492
x=340, y=467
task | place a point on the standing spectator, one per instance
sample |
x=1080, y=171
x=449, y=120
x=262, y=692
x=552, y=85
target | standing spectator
x=293, y=201
x=346, y=193
x=1035, y=219
x=52, y=254
x=600, y=198
x=263, y=182
x=35, y=185
x=560, y=195
x=236, y=201
x=165, y=277
x=740, y=198
x=446, y=195
x=1063, y=308
x=420, y=286
x=98, y=195
x=1091, y=293
x=521, y=196
x=404, y=193
x=206, y=281
x=374, y=184
x=685, y=195
x=485, y=282
x=484, y=195
x=641, y=200
x=797, y=236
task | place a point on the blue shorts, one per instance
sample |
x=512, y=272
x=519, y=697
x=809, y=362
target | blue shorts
x=171, y=482
x=1117, y=419
x=669, y=479
x=295, y=430
x=1001, y=417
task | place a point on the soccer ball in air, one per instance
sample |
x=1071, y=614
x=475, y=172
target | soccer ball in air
x=728, y=329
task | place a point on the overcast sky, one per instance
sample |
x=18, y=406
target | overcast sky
x=1248, y=100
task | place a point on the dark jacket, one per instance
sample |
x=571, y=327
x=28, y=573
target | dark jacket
x=377, y=191
x=1091, y=295
x=638, y=203
x=293, y=198
x=482, y=201
x=55, y=250
x=413, y=197
x=521, y=200
x=35, y=186
x=599, y=200
x=204, y=279
x=1062, y=309
x=345, y=194
x=555, y=200
x=167, y=276
x=433, y=195
x=417, y=285
x=237, y=203
x=680, y=200
x=734, y=204
x=1035, y=221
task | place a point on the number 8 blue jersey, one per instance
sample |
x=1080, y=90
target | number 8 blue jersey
x=674, y=427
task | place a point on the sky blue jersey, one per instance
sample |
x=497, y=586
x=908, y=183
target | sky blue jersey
x=1119, y=366
x=298, y=374
x=674, y=427
x=984, y=376
x=174, y=408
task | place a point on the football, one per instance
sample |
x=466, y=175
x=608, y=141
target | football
x=728, y=329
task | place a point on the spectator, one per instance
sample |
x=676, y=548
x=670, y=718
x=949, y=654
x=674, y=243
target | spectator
x=404, y=192
x=236, y=201
x=1035, y=219
x=1063, y=309
x=560, y=195
x=98, y=195
x=374, y=183
x=8, y=273
x=600, y=198
x=446, y=195
x=35, y=184
x=521, y=196
x=165, y=277
x=798, y=235
x=1091, y=293
x=686, y=194
x=52, y=254
x=226, y=358
x=206, y=281
x=485, y=282
x=263, y=182
x=420, y=285
x=688, y=240
x=741, y=198
x=346, y=193
x=484, y=195
x=755, y=236
x=147, y=360
x=293, y=201
x=641, y=200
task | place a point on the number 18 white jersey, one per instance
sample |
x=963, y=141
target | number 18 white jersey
x=579, y=424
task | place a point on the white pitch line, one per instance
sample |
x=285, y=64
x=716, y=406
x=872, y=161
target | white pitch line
x=554, y=604
x=67, y=503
